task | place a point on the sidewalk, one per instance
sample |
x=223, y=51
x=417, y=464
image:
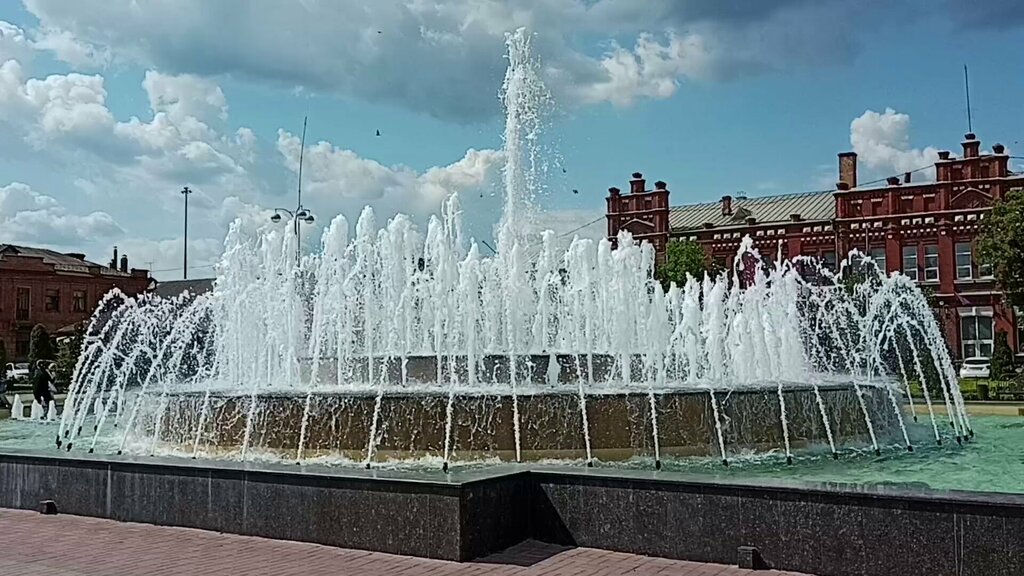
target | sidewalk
x=78, y=546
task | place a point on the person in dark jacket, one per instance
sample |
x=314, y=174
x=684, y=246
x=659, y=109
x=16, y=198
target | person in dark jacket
x=42, y=384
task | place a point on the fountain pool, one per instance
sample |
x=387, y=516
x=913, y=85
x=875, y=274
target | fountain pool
x=389, y=344
x=994, y=465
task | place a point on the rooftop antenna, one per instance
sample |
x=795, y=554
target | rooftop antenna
x=967, y=91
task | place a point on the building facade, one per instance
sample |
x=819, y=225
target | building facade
x=39, y=286
x=924, y=229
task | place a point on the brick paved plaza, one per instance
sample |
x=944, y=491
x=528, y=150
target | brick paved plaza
x=62, y=545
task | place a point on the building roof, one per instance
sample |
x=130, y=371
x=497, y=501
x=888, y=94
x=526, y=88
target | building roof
x=173, y=288
x=810, y=206
x=48, y=256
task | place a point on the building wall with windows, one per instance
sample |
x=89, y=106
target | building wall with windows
x=39, y=286
x=925, y=228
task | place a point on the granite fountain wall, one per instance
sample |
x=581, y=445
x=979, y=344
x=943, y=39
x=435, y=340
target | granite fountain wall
x=830, y=530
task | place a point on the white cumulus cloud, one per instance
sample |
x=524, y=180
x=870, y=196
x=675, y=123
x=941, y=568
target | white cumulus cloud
x=882, y=142
x=29, y=217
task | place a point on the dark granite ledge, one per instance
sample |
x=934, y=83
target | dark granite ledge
x=827, y=529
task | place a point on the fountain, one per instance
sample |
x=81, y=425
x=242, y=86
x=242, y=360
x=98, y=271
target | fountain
x=392, y=344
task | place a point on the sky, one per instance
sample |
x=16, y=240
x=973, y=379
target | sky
x=108, y=108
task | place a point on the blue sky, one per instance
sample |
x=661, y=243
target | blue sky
x=713, y=97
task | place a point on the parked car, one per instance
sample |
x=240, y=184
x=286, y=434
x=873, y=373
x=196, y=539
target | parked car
x=976, y=368
x=17, y=372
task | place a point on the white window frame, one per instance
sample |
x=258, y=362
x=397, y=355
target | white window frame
x=976, y=344
x=964, y=271
x=931, y=256
x=910, y=262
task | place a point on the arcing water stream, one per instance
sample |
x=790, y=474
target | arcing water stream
x=362, y=313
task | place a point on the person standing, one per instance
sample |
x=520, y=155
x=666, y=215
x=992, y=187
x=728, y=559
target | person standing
x=42, y=384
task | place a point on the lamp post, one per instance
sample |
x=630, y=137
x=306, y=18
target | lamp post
x=186, y=192
x=298, y=216
x=300, y=213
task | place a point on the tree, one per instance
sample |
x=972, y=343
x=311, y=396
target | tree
x=1002, y=358
x=683, y=257
x=68, y=350
x=39, y=347
x=1001, y=245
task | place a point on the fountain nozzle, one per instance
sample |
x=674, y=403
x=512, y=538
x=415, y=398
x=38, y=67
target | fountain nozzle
x=367, y=465
x=835, y=455
x=789, y=460
x=910, y=448
x=657, y=464
x=90, y=450
x=590, y=463
x=444, y=467
x=725, y=462
x=70, y=444
x=959, y=440
x=878, y=452
x=58, y=441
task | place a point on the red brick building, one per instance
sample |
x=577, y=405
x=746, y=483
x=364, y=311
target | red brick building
x=39, y=286
x=924, y=229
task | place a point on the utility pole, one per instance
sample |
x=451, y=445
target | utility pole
x=186, y=191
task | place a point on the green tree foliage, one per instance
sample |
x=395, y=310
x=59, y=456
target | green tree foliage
x=39, y=347
x=1001, y=245
x=683, y=257
x=68, y=350
x=1002, y=358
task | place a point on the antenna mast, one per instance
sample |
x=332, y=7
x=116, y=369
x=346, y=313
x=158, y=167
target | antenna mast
x=967, y=91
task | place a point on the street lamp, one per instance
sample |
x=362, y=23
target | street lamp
x=186, y=192
x=300, y=214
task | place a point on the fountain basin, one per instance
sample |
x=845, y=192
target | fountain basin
x=412, y=425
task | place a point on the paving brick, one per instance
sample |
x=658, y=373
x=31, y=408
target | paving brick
x=62, y=545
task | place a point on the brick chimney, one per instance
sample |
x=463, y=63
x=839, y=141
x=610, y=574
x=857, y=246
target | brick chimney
x=893, y=180
x=943, y=154
x=113, y=261
x=998, y=149
x=906, y=177
x=637, y=185
x=848, y=168
x=972, y=146
x=124, y=263
x=726, y=205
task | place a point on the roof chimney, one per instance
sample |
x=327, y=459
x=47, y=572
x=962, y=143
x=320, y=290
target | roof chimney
x=848, y=168
x=906, y=177
x=972, y=146
x=893, y=180
x=76, y=255
x=637, y=185
x=943, y=154
x=113, y=261
x=726, y=205
x=751, y=220
x=843, y=186
x=660, y=185
x=998, y=148
x=794, y=217
x=124, y=263
x=613, y=191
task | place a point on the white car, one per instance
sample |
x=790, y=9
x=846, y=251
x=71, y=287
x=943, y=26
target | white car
x=976, y=368
x=17, y=371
